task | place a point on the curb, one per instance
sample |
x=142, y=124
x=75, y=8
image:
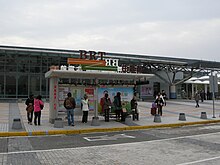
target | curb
x=94, y=130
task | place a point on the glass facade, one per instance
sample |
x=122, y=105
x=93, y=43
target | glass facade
x=22, y=72
x=22, y=69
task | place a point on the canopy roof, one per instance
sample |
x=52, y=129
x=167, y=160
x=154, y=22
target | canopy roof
x=149, y=61
x=96, y=75
x=199, y=80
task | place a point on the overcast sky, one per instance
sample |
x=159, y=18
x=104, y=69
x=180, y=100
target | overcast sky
x=172, y=28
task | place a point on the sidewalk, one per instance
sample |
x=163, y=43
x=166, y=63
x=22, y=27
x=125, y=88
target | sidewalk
x=170, y=118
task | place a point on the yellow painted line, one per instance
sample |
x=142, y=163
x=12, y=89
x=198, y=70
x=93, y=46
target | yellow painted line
x=114, y=129
x=17, y=133
x=38, y=133
x=172, y=125
x=3, y=134
x=73, y=132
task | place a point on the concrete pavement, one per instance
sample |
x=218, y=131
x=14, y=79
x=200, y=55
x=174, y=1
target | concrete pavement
x=170, y=118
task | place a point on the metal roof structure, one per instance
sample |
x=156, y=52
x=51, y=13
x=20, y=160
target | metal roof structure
x=149, y=64
x=148, y=61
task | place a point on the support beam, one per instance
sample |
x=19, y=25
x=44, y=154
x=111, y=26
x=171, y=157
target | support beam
x=53, y=109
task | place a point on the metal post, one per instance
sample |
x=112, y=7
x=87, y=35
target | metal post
x=95, y=119
x=96, y=104
x=53, y=109
x=213, y=95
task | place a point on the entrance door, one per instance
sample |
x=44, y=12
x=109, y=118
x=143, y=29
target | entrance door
x=156, y=88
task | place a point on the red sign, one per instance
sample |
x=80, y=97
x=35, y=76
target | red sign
x=89, y=91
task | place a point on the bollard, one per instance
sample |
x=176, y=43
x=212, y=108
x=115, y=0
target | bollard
x=58, y=123
x=128, y=120
x=157, y=118
x=16, y=124
x=95, y=121
x=203, y=115
x=182, y=117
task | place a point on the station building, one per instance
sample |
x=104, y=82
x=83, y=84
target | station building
x=22, y=71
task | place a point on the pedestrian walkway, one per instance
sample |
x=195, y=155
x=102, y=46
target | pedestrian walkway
x=9, y=111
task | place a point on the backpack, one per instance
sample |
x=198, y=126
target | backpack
x=69, y=103
x=30, y=108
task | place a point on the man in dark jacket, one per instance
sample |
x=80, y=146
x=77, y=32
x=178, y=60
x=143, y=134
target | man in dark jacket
x=30, y=108
x=70, y=104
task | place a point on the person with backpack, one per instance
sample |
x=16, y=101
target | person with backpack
x=38, y=106
x=70, y=104
x=30, y=108
x=85, y=108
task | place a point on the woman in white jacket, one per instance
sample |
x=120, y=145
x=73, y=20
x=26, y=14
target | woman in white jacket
x=85, y=108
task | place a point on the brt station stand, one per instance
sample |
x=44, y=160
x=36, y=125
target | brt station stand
x=92, y=83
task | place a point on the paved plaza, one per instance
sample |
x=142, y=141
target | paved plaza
x=187, y=145
x=10, y=111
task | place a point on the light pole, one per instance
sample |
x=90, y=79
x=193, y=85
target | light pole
x=212, y=83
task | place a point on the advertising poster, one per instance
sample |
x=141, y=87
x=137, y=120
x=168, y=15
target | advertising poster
x=126, y=96
x=77, y=94
x=90, y=93
x=146, y=90
x=62, y=95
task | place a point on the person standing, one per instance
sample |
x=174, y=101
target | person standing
x=70, y=104
x=107, y=106
x=30, y=108
x=202, y=95
x=160, y=102
x=102, y=100
x=118, y=106
x=85, y=108
x=38, y=106
x=197, y=97
x=164, y=97
x=134, y=109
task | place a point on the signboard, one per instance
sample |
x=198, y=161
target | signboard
x=86, y=62
x=62, y=95
x=94, y=61
x=77, y=93
x=90, y=93
x=213, y=82
x=126, y=96
x=146, y=90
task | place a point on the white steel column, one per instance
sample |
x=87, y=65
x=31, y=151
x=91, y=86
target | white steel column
x=95, y=119
x=206, y=89
x=53, y=106
x=193, y=91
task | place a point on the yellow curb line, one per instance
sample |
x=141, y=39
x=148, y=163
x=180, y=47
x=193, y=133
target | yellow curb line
x=93, y=130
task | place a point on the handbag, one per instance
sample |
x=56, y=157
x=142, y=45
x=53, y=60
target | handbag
x=29, y=108
x=41, y=106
